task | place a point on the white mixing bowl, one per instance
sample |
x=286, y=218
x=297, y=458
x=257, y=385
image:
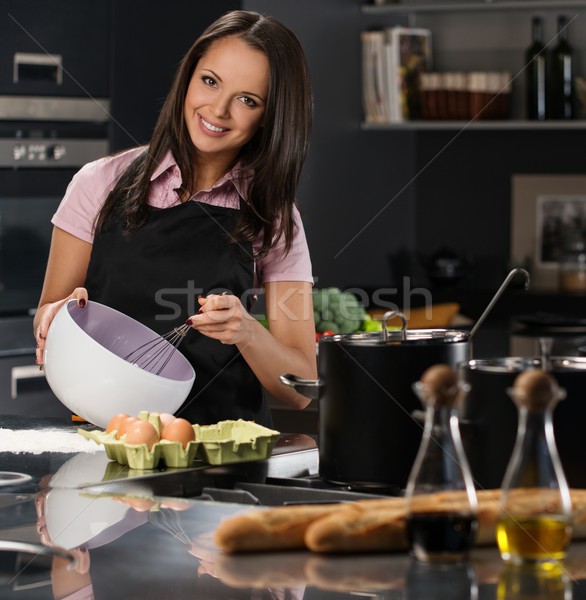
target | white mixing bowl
x=86, y=369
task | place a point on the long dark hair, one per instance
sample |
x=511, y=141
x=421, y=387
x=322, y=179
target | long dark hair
x=275, y=154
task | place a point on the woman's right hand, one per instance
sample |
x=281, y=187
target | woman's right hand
x=46, y=313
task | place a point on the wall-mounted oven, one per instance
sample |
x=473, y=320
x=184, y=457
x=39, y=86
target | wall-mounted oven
x=55, y=69
x=43, y=142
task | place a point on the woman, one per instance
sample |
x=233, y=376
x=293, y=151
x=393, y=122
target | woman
x=193, y=223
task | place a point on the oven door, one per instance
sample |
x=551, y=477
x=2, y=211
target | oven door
x=28, y=200
x=25, y=237
x=33, y=179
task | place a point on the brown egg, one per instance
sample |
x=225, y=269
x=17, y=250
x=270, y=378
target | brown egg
x=176, y=504
x=179, y=430
x=166, y=418
x=138, y=504
x=115, y=421
x=123, y=426
x=141, y=432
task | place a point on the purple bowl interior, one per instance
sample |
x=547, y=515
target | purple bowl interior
x=123, y=336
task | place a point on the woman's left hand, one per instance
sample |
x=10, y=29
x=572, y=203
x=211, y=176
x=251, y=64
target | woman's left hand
x=223, y=318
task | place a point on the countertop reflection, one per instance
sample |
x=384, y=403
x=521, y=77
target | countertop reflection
x=156, y=547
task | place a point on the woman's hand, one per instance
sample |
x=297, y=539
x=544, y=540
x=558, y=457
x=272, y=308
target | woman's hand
x=289, y=345
x=46, y=313
x=222, y=317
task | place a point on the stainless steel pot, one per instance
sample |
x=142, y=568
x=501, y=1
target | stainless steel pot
x=489, y=416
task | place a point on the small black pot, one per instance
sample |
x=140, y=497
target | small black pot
x=490, y=416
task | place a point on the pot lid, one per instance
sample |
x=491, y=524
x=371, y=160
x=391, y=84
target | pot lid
x=402, y=336
x=410, y=337
x=514, y=364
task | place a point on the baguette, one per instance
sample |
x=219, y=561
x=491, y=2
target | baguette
x=365, y=573
x=365, y=525
x=277, y=528
x=273, y=571
x=358, y=530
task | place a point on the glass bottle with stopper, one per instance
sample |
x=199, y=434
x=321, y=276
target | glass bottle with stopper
x=535, y=524
x=441, y=527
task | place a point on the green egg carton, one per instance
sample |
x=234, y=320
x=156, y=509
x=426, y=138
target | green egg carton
x=223, y=443
x=229, y=442
x=138, y=456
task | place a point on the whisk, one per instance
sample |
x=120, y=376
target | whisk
x=169, y=521
x=154, y=355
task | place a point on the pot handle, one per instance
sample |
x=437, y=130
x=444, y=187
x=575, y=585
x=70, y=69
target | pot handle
x=310, y=388
x=389, y=315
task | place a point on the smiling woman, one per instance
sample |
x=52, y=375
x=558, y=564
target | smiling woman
x=225, y=104
x=193, y=223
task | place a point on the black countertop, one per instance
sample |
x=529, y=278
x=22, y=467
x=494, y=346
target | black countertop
x=126, y=547
x=128, y=542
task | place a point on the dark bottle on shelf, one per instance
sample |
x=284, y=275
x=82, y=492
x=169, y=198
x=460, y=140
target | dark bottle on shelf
x=536, y=73
x=561, y=80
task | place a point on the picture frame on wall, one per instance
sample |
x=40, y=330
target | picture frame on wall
x=547, y=213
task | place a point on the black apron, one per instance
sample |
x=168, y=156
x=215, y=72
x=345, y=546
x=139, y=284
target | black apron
x=155, y=275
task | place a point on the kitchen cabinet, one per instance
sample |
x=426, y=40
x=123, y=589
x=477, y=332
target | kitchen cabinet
x=485, y=36
x=23, y=387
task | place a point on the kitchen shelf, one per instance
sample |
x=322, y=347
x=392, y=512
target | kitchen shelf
x=383, y=9
x=475, y=125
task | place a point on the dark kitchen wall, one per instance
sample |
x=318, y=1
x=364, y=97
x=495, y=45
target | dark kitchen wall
x=149, y=39
x=370, y=195
x=464, y=189
x=355, y=195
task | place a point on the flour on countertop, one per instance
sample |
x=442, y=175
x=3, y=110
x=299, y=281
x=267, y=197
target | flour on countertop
x=35, y=441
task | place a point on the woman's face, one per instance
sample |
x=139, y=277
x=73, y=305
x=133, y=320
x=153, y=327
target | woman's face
x=226, y=98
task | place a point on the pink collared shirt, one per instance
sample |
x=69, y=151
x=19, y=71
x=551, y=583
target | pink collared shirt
x=90, y=186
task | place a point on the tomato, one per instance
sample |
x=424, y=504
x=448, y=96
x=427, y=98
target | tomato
x=321, y=334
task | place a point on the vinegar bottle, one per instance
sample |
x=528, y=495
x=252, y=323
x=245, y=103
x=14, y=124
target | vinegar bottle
x=535, y=521
x=536, y=73
x=561, y=81
x=441, y=528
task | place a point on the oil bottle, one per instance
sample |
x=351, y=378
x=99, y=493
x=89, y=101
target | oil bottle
x=441, y=528
x=535, y=525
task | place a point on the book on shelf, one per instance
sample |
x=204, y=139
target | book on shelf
x=392, y=61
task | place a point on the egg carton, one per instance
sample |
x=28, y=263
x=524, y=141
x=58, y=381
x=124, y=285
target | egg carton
x=223, y=443
x=235, y=441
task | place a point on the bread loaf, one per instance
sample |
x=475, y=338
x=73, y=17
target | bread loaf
x=277, y=528
x=358, y=531
x=366, y=525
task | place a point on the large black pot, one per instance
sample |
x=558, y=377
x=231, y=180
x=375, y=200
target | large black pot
x=489, y=416
x=368, y=434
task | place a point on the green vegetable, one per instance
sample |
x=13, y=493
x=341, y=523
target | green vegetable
x=371, y=324
x=337, y=311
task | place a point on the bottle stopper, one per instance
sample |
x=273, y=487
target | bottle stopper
x=536, y=389
x=439, y=386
